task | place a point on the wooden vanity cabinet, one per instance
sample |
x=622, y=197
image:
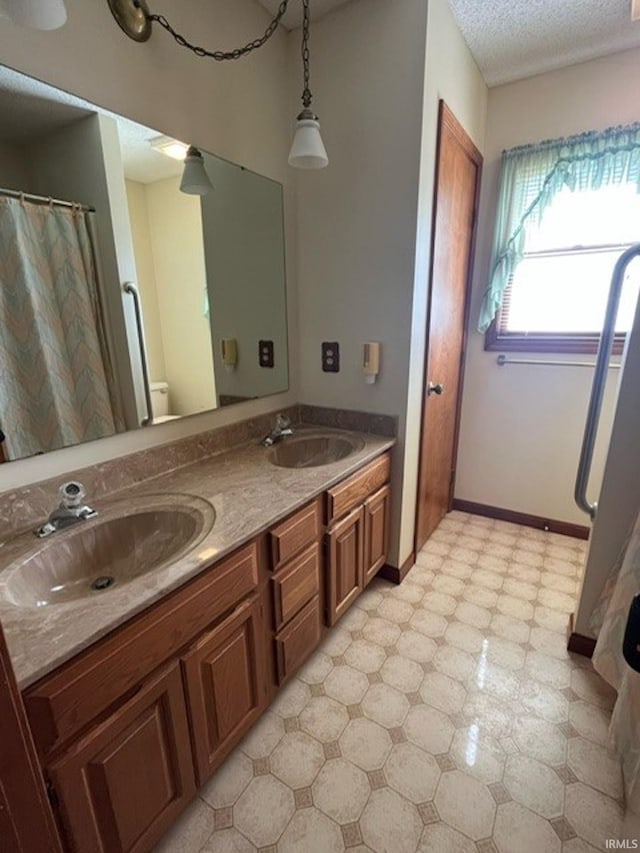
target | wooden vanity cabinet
x=225, y=685
x=129, y=729
x=345, y=564
x=356, y=543
x=297, y=561
x=122, y=785
x=376, y=532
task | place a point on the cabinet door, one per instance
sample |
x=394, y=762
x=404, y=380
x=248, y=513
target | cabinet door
x=295, y=643
x=226, y=686
x=123, y=784
x=345, y=570
x=376, y=532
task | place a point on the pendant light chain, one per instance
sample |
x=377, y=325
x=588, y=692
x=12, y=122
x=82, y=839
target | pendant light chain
x=306, y=92
x=221, y=55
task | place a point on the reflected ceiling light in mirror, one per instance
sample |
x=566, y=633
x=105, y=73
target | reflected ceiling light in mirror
x=37, y=14
x=307, y=151
x=195, y=180
x=169, y=147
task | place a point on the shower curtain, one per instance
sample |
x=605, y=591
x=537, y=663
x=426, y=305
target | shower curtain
x=56, y=378
x=624, y=731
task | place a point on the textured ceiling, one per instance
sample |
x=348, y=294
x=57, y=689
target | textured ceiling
x=511, y=39
x=30, y=109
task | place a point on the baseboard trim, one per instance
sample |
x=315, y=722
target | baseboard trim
x=578, y=643
x=397, y=575
x=566, y=528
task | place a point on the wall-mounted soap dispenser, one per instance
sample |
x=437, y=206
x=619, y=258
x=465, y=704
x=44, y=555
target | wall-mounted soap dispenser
x=229, y=353
x=371, y=363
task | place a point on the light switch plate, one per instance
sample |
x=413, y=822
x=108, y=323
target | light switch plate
x=331, y=357
x=266, y=357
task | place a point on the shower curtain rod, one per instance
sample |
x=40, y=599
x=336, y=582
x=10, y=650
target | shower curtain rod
x=42, y=199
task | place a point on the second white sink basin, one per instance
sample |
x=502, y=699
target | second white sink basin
x=95, y=556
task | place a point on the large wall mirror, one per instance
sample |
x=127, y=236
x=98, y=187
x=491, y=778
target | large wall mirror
x=124, y=300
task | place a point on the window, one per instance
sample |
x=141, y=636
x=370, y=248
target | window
x=567, y=208
x=555, y=297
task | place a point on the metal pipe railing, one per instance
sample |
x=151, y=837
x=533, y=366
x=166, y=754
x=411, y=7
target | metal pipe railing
x=129, y=287
x=599, y=380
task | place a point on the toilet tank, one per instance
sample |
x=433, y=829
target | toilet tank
x=159, y=398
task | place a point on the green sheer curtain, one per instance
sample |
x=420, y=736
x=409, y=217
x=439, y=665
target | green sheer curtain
x=532, y=175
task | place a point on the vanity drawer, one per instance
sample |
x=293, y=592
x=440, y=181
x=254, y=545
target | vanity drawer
x=291, y=536
x=62, y=704
x=296, y=584
x=295, y=643
x=354, y=490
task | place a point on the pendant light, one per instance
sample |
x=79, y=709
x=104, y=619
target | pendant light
x=37, y=14
x=307, y=150
x=195, y=180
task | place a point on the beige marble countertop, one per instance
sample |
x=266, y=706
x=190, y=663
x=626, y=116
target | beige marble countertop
x=248, y=494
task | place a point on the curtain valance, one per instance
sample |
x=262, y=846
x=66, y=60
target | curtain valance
x=532, y=175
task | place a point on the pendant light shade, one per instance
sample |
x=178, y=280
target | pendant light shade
x=308, y=151
x=37, y=14
x=195, y=180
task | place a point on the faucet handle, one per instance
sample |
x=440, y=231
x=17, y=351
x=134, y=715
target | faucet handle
x=282, y=421
x=72, y=494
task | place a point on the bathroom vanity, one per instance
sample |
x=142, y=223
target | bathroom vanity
x=132, y=723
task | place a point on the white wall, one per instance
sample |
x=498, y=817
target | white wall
x=14, y=167
x=175, y=224
x=242, y=226
x=240, y=110
x=358, y=217
x=145, y=268
x=522, y=426
x=365, y=222
x=452, y=75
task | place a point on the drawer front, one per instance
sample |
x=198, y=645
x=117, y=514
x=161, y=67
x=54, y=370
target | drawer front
x=353, y=491
x=296, y=584
x=292, y=535
x=62, y=704
x=295, y=643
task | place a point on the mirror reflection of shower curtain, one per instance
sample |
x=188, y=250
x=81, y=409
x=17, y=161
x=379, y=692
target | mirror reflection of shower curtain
x=56, y=377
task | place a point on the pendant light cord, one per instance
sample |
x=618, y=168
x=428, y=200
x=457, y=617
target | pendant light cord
x=306, y=92
x=236, y=53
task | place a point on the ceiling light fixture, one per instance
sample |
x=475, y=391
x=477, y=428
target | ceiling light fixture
x=307, y=151
x=135, y=19
x=37, y=14
x=195, y=180
x=169, y=147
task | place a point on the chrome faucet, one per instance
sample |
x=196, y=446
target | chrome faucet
x=280, y=430
x=71, y=510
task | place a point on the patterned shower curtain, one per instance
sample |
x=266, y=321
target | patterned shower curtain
x=611, y=619
x=56, y=378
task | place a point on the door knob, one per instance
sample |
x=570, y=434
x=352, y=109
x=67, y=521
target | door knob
x=435, y=388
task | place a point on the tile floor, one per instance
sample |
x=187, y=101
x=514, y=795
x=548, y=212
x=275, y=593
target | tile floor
x=441, y=715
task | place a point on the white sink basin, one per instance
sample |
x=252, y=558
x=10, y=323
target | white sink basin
x=92, y=557
x=312, y=449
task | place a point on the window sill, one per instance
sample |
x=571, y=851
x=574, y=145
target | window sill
x=537, y=342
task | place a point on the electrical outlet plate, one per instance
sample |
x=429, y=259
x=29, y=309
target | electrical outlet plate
x=330, y=357
x=266, y=356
